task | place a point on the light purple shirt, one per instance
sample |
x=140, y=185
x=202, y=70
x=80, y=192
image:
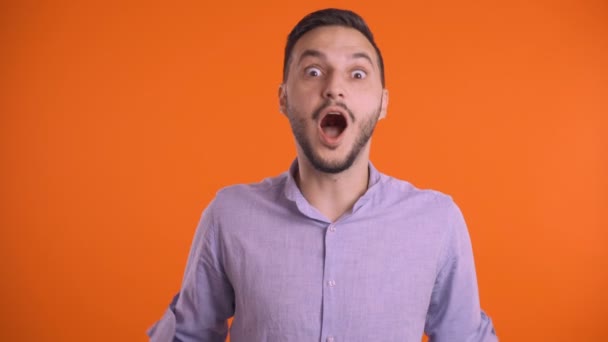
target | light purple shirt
x=397, y=265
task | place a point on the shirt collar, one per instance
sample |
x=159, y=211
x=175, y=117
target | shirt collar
x=293, y=193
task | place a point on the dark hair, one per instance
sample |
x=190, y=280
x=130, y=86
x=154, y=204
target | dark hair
x=329, y=17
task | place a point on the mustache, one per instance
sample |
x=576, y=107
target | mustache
x=328, y=103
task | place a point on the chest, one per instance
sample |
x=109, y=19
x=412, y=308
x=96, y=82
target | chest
x=299, y=273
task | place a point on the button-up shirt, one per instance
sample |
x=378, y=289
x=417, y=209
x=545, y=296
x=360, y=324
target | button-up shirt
x=398, y=264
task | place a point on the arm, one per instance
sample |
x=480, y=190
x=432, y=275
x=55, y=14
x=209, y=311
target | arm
x=454, y=313
x=199, y=312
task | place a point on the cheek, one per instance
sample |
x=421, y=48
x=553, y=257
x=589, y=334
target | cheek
x=366, y=104
x=301, y=99
x=365, y=92
x=302, y=91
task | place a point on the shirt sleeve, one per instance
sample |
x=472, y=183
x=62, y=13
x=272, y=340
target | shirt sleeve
x=454, y=313
x=200, y=311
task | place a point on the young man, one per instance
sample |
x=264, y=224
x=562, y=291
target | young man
x=332, y=250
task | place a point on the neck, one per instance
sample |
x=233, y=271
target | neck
x=333, y=194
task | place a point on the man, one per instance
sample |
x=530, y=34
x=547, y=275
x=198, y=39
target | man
x=332, y=250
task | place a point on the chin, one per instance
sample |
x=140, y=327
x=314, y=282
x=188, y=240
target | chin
x=332, y=165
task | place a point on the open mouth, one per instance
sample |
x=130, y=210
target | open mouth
x=333, y=124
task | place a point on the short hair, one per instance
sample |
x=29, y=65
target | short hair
x=329, y=17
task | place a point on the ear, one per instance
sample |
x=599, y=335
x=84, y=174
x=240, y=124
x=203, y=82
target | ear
x=383, y=104
x=282, y=99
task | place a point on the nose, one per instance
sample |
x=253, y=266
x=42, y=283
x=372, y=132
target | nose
x=334, y=88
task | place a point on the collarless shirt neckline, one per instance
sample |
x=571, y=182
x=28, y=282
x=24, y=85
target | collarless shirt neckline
x=293, y=193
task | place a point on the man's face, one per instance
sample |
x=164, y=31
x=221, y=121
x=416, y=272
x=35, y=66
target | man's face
x=333, y=96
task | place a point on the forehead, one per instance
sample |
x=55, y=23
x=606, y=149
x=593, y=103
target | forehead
x=336, y=40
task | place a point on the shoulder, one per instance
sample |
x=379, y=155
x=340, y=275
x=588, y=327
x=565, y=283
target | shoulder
x=435, y=211
x=242, y=196
x=402, y=192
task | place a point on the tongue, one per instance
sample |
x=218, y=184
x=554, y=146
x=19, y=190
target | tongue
x=331, y=131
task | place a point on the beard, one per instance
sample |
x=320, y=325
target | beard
x=298, y=127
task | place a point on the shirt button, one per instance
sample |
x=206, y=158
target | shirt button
x=331, y=283
x=332, y=228
x=330, y=339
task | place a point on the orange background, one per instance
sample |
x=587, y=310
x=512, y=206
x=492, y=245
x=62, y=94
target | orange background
x=120, y=121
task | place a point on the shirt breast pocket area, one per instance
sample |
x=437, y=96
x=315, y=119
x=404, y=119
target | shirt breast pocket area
x=280, y=289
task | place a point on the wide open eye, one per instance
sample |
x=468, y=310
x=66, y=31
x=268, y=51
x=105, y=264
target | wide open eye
x=358, y=74
x=313, y=72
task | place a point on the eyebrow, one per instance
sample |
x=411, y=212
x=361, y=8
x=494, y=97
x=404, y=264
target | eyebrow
x=321, y=55
x=362, y=55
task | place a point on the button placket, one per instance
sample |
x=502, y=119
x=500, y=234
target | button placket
x=329, y=282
